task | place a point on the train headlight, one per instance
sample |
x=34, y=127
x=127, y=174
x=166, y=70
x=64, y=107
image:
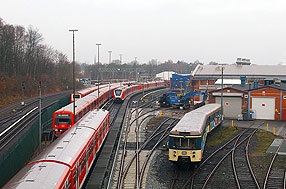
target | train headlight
x=194, y=156
x=56, y=129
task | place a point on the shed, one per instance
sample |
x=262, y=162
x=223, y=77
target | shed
x=234, y=100
x=268, y=102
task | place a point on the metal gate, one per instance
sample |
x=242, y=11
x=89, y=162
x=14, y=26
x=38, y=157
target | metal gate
x=264, y=107
x=231, y=106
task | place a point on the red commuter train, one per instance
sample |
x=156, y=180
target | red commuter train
x=120, y=93
x=84, y=92
x=64, y=118
x=66, y=163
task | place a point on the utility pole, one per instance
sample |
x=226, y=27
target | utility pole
x=221, y=99
x=109, y=56
x=73, y=70
x=120, y=58
x=23, y=88
x=98, y=44
x=40, y=116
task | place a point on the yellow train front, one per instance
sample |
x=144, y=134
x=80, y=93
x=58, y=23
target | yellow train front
x=187, y=139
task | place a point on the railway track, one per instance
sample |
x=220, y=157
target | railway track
x=202, y=177
x=22, y=119
x=132, y=158
x=275, y=177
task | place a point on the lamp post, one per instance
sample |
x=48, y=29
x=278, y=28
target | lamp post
x=73, y=69
x=98, y=44
x=221, y=99
x=120, y=58
x=40, y=116
x=109, y=56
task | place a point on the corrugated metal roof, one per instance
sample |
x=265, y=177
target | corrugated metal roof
x=242, y=70
x=228, y=82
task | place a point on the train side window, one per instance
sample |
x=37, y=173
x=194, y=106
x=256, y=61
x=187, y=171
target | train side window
x=74, y=177
x=69, y=183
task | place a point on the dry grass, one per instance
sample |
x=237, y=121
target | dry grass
x=217, y=136
x=5, y=100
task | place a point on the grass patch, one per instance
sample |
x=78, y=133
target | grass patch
x=259, y=160
x=264, y=140
x=216, y=137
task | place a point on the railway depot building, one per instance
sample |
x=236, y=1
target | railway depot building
x=205, y=76
x=268, y=102
x=235, y=101
x=261, y=94
x=263, y=102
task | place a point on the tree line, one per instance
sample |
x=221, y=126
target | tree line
x=117, y=70
x=24, y=58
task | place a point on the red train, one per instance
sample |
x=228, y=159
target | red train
x=84, y=92
x=66, y=162
x=63, y=118
x=120, y=93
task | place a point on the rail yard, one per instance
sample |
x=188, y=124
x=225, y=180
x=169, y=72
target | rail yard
x=136, y=144
x=106, y=94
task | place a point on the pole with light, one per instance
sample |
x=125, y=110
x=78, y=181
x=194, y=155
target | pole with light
x=73, y=70
x=40, y=116
x=135, y=60
x=120, y=62
x=109, y=56
x=98, y=44
x=221, y=99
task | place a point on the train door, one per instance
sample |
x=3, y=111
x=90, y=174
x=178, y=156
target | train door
x=75, y=176
x=82, y=166
x=100, y=135
x=68, y=184
x=96, y=142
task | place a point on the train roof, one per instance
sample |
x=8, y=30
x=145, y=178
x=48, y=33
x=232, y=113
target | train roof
x=194, y=121
x=89, y=89
x=82, y=101
x=45, y=174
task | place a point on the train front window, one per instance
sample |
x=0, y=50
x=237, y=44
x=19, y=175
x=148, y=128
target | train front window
x=76, y=96
x=117, y=92
x=184, y=143
x=63, y=118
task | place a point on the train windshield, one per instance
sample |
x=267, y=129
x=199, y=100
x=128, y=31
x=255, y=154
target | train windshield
x=63, y=118
x=184, y=143
x=76, y=96
x=117, y=92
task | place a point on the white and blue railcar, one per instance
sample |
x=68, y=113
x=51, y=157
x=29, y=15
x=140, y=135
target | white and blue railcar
x=187, y=139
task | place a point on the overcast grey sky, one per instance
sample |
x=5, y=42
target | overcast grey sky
x=189, y=30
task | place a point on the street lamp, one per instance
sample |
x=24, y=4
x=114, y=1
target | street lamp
x=40, y=116
x=98, y=44
x=73, y=69
x=221, y=98
x=120, y=58
x=119, y=77
x=109, y=56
